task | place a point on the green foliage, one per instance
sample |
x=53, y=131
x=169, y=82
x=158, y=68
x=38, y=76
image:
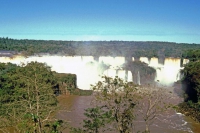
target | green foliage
x=97, y=48
x=66, y=82
x=7, y=82
x=77, y=130
x=190, y=109
x=97, y=118
x=192, y=55
x=119, y=98
x=27, y=96
x=54, y=127
x=82, y=92
x=191, y=80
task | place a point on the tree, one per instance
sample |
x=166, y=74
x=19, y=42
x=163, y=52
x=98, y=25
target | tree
x=97, y=118
x=33, y=101
x=119, y=98
x=191, y=78
x=153, y=103
x=191, y=72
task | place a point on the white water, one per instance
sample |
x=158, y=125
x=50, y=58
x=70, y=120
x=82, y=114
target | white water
x=138, y=78
x=114, y=62
x=167, y=73
x=133, y=59
x=89, y=71
x=144, y=59
x=154, y=62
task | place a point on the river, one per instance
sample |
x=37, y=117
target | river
x=72, y=110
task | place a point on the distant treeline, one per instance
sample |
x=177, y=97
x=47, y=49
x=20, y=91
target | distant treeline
x=98, y=48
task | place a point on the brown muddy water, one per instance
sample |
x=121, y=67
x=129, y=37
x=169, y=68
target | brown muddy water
x=72, y=110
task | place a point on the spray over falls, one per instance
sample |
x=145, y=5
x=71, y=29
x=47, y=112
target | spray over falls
x=89, y=71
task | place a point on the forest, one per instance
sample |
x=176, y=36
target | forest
x=191, y=82
x=97, y=48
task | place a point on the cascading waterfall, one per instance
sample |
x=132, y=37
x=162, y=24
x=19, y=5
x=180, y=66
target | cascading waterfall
x=129, y=76
x=138, y=78
x=178, y=76
x=126, y=75
x=154, y=62
x=144, y=59
x=169, y=72
x=89, y=71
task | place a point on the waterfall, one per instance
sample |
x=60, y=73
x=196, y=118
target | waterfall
x=178, y=77
x=130, y=77
x=154, y=62
x=126, y=75
x=145, y=60
x=167, y=73
x=88, y=70
x=138, y=78
x=121, y=74
x=133, y=59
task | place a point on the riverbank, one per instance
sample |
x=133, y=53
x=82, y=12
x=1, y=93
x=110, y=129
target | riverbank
x=195, y=126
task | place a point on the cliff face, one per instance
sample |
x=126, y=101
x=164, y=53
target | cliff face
x=89, y=70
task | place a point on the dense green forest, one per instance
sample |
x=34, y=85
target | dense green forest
x=191, y=82
x=27, y=97
x=98, y=48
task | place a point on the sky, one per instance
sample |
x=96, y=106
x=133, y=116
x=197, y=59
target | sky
x=99, y=20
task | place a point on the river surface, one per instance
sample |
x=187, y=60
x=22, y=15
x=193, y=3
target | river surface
x=72, y=110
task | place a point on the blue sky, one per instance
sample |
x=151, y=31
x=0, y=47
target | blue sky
x=131, y=20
